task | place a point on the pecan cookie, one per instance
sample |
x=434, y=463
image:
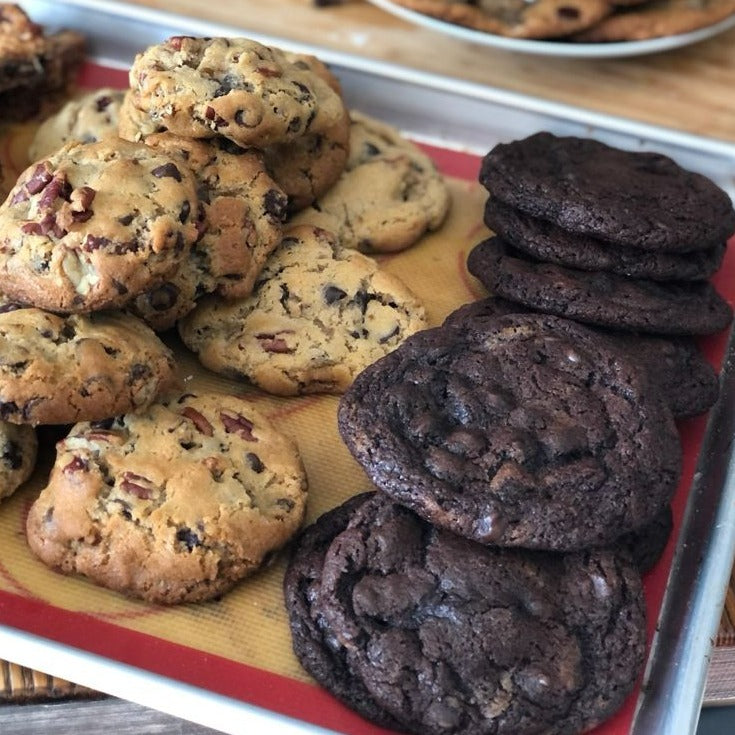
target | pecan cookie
x=94, y=225
x=513, y=432
x=59, y=370
x=595, y=297
x=318, y=315
x=389, y=195
x=307, y=167
x=173, y=504
x=449, y=637
x=640, y=200
x=242, y=211
x=87, y=120
x=516, y=18
x=235, y=87
x=18, y=448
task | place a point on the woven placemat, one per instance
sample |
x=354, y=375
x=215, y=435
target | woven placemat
x=21, y=684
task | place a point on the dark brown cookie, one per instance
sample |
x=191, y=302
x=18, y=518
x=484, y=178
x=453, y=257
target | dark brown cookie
x=645, y=545
x=452, y=638
x=545, y=241
x=525, y=430
x=676, y=367
x=312, y=642
x=640, y=200
x=603, y=299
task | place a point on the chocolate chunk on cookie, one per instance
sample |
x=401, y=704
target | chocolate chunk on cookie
x=94, y=225
x=637, y=199
x=603, y=299
x=234, y=87
x=319, y=314
x=389, y=195
x=524, y=430
x=90, y=118
x=18, y=449
x=547, y=242
x=59, y=370
x=172, y=504
x=240, y=220
x=452, y=637
x=312, y=641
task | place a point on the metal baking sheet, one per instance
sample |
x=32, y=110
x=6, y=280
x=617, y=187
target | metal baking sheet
x=462, y=120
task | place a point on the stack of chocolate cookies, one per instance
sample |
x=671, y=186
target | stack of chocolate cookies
x=490, y=584
x=524, y=462
x=623, y=241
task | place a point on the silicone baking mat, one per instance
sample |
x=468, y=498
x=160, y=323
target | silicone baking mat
x=239, y=646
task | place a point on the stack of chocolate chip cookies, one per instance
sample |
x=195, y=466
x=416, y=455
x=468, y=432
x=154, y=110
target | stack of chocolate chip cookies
x=622, y=241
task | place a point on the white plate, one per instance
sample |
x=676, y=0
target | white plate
x=558, y=48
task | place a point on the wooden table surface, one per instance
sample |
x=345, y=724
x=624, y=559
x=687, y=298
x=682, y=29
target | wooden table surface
x=690, y=88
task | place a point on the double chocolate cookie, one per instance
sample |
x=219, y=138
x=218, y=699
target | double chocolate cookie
x=638, y=200
x=599, y=298
x=409, y=623
x=526, y=430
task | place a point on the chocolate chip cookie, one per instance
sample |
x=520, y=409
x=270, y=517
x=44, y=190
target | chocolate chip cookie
x=255, y=95
x=241, y=214
x=515, y=18
x=448, y=636
x=59, y=370
x=545, y=241
x=595, y=297
x=172, y=504
x=639, y=200
x=18, y=448
x=94, y=225
x=90, y=118
x=514, y=432
x=389, y=195
x=318, y=315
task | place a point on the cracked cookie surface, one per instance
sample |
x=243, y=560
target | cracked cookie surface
x=318, y=315
x=524, y=430
x=94, y=225
x=389, y=195
x=235, y=87
x=242, y=211
x=173, y=504
x=88, y=119
x=59, y=370
x=18, y=450
x=451, y=637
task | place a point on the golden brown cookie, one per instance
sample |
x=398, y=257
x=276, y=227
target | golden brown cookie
x=235, y=87
x=59, y=370
x=656, y=19
x=242, y=210
x=94, y=225
x=389, y=195
x=319, y=314
x=87, y=119
x=18, y=448
x=173, y=504
x=516, y=18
